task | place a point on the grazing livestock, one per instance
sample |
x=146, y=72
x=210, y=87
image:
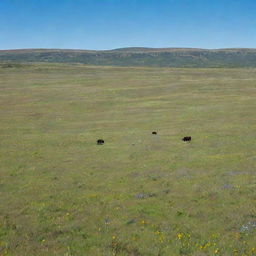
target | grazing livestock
x=187, y=139
x=155, y=133
x=100, y=142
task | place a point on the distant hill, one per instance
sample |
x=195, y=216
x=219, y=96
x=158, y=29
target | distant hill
x=138, y=56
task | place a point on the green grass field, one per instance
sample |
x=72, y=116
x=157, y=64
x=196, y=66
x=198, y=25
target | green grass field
x=138, y=194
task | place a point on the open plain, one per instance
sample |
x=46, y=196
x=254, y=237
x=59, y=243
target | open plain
x=138, y=194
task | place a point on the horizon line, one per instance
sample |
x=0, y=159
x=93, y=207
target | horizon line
x=131, y=48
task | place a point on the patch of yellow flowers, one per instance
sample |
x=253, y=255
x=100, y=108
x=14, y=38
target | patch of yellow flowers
x=180, y=236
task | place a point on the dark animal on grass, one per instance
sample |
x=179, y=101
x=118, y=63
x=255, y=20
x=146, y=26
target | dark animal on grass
x=100, y=142
x=155, y=133
x=187, y=139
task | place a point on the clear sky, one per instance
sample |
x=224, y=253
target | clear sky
x=109, y=24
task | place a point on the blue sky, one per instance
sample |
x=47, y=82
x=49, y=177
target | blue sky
x=109, y=24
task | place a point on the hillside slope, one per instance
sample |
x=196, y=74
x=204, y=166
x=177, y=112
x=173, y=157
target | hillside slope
x=161, y=57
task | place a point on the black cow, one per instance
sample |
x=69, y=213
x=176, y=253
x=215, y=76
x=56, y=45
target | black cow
x=155, y=133
x=100, y=142
x=187, y=139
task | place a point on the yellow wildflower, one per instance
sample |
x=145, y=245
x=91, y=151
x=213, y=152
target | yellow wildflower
x=179, y=235
x=217, y=251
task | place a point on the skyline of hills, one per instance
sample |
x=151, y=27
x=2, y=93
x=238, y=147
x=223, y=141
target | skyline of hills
x=138, y=56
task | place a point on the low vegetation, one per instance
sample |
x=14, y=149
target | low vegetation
x=139, y=193
x=166, y=57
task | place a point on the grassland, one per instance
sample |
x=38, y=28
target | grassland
x=139, y=194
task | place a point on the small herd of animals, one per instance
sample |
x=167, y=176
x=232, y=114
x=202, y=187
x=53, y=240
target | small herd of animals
x=185, y=139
